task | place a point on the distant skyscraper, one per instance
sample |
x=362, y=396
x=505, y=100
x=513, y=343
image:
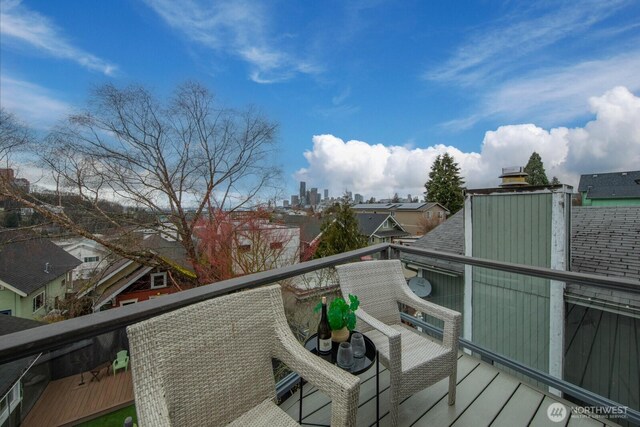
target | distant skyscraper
x=326, y=194
x=285, y=203
x=313, y=197
x=295, y=200
x=358, y=198
x=303, y=192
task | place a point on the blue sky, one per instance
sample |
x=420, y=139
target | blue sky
x=366, y=93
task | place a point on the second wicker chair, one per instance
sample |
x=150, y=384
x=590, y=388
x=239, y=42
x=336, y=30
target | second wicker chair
x=414, y=361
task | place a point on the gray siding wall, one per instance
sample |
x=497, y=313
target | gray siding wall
x=511, y=311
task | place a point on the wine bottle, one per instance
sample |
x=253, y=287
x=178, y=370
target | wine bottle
x=324, y=331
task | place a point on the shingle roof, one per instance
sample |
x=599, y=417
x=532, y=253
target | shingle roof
x=447, y=237
x=606, y=240
x=24, y=259
x=368, y=223
x=611, y=185
x=372, y=206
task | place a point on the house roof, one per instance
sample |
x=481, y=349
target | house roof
x=309, y=225
x=12, y=371
x=604, y=240
x=423, y=206
x=447, y=237
x=28, y=262
x=614, y=185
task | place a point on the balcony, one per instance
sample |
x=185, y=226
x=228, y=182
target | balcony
x=508, y=372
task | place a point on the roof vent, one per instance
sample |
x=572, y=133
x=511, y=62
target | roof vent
x=595, y=175
x=624, y=174
x=46, y=267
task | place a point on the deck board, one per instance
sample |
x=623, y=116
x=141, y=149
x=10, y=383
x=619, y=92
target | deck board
x=485, y=396
x=66, y=402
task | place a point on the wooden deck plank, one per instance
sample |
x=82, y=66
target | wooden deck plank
x=583, y=421
x=520, y=409
x=541, y=418
x=469, y=389
x=64, y=402
x=487, y=406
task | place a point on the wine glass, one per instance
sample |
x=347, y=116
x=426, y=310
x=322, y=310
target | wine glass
x=345, y=356
x=358, y=346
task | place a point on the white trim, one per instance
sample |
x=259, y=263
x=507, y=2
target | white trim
x=468, y=269
x=558, y=261
x=164, y=280
x=128, y=302
x=104, y=279
x=123, y=287
x=44, y=300
x=11, y=288
x=386, y=219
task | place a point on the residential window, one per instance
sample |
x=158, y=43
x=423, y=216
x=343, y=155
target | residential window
x=91, y=258
x=441, y=214
x=38, y=301
x=9, y=403
x=158, y=280
x=244, y=248
x=275, y=245
x=5, y=312
x=128, y=302
x=429, y=214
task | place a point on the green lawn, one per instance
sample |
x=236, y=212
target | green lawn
x=114, y=419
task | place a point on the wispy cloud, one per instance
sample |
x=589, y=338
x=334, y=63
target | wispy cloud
x=238, y=28
x=33, y=104
x=555, y=95
x=494, y=51
x=19, y=23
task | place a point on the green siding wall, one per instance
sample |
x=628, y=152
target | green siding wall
x=447, y=291
x=511, y=311
x=23, y=307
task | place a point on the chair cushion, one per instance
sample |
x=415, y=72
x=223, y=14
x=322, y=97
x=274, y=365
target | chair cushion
x=416, y=348
x=266, y=414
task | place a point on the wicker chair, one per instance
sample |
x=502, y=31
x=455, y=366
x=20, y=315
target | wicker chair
x=210, y=364
x=414, y=362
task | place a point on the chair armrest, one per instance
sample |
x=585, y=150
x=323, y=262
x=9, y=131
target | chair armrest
x=342, y=387
x=395, y=343
x=452, y=319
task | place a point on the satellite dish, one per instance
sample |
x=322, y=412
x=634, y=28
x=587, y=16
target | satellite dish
x=420, y=286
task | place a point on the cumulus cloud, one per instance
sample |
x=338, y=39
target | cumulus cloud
x=26, y=26
x=609, y=142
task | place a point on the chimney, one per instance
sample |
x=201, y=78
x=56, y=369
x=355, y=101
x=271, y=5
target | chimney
x=514, y=176
x=46, y=267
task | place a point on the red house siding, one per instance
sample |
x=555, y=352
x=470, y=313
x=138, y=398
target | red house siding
x=143, y=295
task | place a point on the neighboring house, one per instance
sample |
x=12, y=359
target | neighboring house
x=413, y=217
x=379, y=228
x=20, y=385
x=127, y=282
x=309, y=227
x=599, y=324
x=610, y=189
x=92, y=254
x=34, y=274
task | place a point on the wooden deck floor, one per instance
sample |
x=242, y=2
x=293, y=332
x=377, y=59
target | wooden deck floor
x=486, y=396
x=65, y=403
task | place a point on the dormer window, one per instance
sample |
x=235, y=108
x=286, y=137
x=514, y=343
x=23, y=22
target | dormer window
x=158, y=280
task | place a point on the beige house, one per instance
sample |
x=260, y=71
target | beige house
x=413, y=217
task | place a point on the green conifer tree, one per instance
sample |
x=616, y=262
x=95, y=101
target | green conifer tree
x=340, y=232
x=445, y=184
x=535, y=169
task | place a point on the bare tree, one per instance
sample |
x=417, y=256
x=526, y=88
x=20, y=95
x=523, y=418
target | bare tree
x=13, y=136
x=170, y=163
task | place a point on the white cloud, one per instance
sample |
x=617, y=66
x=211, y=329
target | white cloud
x=33, y=104
x=239, y=28
x=497, y=49
x=19, y=23
x=610, y=142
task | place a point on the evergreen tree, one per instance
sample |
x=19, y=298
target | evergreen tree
x=555, y=180
x=445, y=184
x=340, y=232
x=535, y=169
